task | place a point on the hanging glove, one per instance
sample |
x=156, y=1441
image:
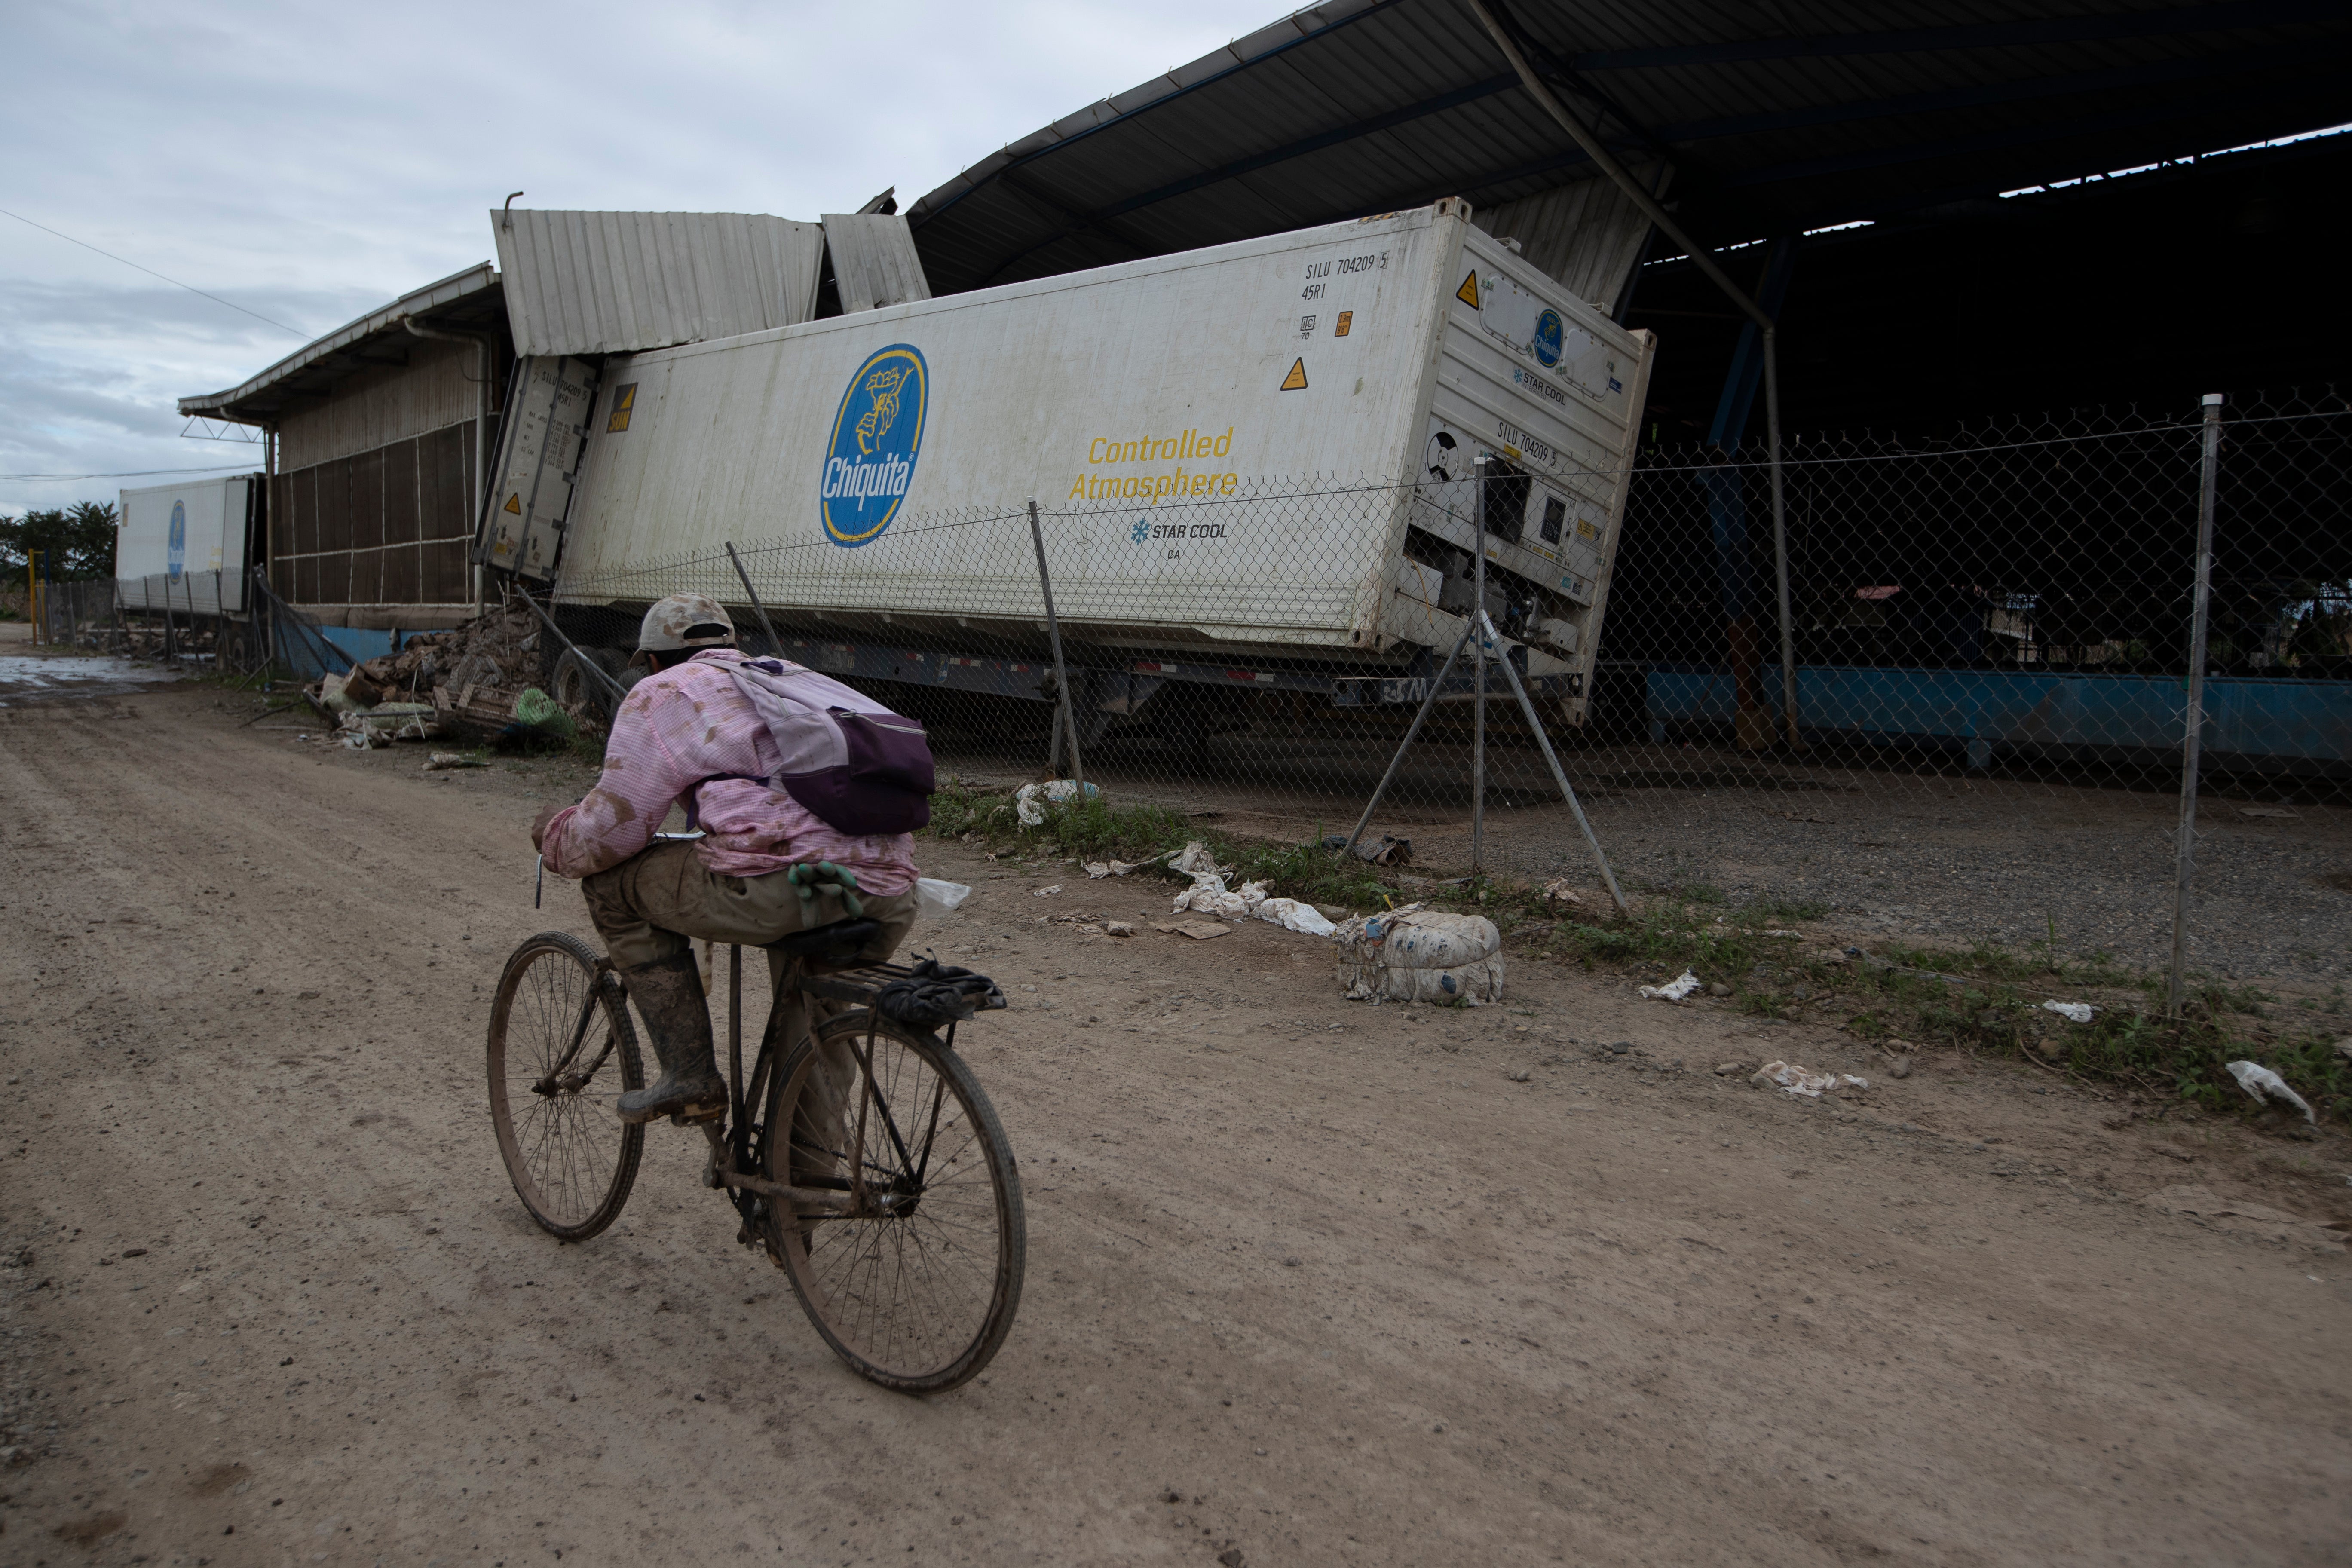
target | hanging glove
x=811, y=879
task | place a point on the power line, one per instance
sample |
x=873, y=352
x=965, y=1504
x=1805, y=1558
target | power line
x=128, y=473
x=150, y=272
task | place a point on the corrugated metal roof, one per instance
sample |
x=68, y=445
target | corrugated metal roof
x=469, y=299
x=588, y=282
x=874, y=262
x=1788, y=117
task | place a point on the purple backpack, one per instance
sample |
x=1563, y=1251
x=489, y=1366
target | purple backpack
x=858, y=766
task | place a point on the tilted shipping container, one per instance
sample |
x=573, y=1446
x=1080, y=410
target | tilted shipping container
x=1265, y=451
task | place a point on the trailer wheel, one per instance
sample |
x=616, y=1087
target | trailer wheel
x=577, y=690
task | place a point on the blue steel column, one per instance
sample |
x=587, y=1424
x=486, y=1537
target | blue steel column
x=1727, y=504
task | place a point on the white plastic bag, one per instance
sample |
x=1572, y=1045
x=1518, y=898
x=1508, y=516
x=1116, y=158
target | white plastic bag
x=935, y=898
x=1674, y=990
x=1292, y=915
x=1208, y=896
x=1029, y=800
x=2075, y=1012
x=1802, y=1081
x=2262, y=1083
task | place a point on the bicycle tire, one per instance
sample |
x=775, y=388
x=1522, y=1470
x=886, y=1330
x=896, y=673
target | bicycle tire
x=922, y=1298
x=570, y=1156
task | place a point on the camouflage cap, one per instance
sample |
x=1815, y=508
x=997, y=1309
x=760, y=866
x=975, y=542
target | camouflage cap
x=684, y=621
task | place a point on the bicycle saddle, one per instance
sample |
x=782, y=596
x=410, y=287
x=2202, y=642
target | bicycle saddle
x=841, y=938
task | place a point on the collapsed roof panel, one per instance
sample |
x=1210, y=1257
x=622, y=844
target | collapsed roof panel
x=874, y=262
x=603, y=283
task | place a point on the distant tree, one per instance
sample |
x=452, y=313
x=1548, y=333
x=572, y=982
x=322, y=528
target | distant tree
x=76, y=542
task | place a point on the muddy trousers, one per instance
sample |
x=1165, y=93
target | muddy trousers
x=656, y=903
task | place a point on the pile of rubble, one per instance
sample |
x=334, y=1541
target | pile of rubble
x=491, y=659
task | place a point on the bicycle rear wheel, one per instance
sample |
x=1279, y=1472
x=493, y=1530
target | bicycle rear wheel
x=561, y=1049
x=913, y=1273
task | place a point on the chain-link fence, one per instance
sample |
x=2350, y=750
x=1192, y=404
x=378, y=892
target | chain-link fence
x=1987, y=644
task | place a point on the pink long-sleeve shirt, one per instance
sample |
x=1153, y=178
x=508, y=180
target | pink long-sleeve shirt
x=682, y=725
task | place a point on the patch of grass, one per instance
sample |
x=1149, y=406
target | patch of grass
x=1984, y=999
x=1774, y=906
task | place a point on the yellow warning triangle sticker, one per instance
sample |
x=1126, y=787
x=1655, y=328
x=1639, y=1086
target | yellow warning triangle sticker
x=1297, y=380
x=1468, y=293
x=514, y=505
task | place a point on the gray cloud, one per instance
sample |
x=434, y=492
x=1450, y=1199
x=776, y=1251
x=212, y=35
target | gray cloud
x=311, y=163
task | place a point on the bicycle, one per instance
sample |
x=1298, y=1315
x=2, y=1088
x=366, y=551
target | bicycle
x=893, y=1204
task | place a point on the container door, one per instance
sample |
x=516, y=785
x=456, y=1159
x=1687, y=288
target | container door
x=539, y=445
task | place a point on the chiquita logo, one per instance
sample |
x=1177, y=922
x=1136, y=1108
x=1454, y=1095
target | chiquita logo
x=176, y=545
x=876, y=437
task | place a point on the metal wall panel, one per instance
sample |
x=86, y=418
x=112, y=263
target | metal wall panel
x=392, y=527
x=382, y=405
x=874, y=262
x=586, y=282
x=1586, y=235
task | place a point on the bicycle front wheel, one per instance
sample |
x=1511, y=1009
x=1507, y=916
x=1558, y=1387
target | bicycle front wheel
x=561, y=1049
x=905, y=1239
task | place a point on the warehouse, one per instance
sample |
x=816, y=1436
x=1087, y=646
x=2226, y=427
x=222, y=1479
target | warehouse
x=382, y=435
x=375, y=438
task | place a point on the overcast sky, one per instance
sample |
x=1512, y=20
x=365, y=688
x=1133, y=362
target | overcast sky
x=311, y=163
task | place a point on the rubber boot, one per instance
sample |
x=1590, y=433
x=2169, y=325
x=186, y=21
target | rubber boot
x=668, y=993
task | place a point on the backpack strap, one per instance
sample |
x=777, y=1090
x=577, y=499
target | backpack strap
x=694, y=795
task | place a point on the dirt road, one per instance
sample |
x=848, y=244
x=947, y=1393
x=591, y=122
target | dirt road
x=1310, y=1282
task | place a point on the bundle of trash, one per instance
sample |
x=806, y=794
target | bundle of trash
x=1209, y=895
x=1416, y=955
x=1029, y=802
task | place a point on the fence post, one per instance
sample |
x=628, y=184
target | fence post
x=1780, y=543
x=1478, y=669
x=2185, y=853
x=1065, y=715
x=775, y=648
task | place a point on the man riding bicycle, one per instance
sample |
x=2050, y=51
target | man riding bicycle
x=767, y=865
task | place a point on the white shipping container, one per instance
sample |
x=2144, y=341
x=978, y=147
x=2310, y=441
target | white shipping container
x=1263, y=449
x=185, y=546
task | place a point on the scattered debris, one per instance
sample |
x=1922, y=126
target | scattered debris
x=2229, y=1214
x=1045, y=892
x=1207, y=894
x=1725, y=1069
x=386, y=722
x=1805, y=1081
x=1029, y=802
x=1195, y=860
x=1386, y=851
x=2262, y=1083
x=1118, y=928
x=1098, y=869
x=2074, y=1011
x=1199, y=930
x=440, y=760
x=1674, y=990
x=360, y=692
x=1412, y=954
x=1558, y=892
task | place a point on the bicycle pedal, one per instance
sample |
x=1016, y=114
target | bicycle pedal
x=694, y=1116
